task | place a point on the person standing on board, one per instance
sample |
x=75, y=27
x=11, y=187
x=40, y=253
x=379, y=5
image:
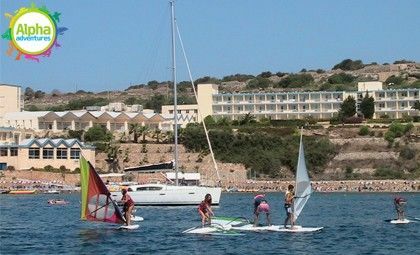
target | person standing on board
x=128, y=206
x=288, y=205
x=205, y=211
x=261, y=206
x=399, y=203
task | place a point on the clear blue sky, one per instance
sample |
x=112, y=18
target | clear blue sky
x=111, y=45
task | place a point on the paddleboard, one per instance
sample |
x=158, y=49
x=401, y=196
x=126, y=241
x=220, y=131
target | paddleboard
x=130, y=227
x=404, y=221
x=297, y=229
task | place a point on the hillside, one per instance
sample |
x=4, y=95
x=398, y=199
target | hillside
x=402, y=74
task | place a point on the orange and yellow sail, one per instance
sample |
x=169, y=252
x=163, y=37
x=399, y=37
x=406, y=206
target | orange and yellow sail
x=97, y=204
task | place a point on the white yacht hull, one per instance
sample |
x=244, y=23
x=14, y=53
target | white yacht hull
x=160, y=194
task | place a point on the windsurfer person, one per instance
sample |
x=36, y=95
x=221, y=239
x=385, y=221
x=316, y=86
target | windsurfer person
x=261, y=206
x=288, y=206
x=399, y=203
x=205, y=211
x=128, y=206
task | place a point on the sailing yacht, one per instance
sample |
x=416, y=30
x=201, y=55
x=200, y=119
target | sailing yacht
x=173, y=194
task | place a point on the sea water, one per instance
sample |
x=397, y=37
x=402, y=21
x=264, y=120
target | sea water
x=353, y=224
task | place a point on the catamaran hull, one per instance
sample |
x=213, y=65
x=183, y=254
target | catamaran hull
x=167, y=195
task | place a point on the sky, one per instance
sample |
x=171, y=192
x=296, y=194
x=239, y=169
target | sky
x=111, y=45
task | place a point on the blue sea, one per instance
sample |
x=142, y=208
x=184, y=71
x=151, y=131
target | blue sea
x=353, y=224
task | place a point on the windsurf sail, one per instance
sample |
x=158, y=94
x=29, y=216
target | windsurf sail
x=97, y=204
x=303, y=184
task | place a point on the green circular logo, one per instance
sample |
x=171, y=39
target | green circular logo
x=33, y=32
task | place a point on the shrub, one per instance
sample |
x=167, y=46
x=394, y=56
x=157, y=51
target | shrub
x=406, y=118
x=353, y=120
x=407, y=153
x=49, y=168
x=389, y=136
x=408, y=128
x=349, y=65
x=10, y=168
x=341, y=78
x=388, y=173
x=397, y=128
x=295, y=81
x=364, y=130
x=395, y=80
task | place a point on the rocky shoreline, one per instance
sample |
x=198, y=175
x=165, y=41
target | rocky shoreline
x=29, y=180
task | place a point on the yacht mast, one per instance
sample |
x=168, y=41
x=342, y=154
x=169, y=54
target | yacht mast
x=175, y=94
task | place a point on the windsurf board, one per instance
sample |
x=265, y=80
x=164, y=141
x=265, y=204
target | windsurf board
x=130, y=227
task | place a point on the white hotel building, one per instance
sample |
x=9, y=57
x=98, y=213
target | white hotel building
x=318, y=104
x=294, y=105
x=277, y=106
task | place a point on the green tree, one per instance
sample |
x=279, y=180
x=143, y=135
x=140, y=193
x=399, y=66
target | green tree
x=29, y=93
x=134, y=129
x=395, y=80
x=367, y=106
x=416, y=105
x=341, y=78
x=266, y=74
x=98, y=133
x=349, y=65
x=348, y=107
x=258, y=83
x=155, y=102
x=247, y=119
x=144, y=130
x=209, y=121
x=39, y=94
x=295, y=81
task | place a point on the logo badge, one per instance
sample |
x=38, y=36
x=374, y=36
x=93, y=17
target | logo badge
x=33, y=32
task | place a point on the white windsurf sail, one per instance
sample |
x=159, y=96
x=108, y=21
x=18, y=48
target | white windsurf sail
x=303, y=184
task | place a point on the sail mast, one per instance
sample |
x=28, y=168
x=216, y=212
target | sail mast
x=175, y=92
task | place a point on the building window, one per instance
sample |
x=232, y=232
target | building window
x=179, y=111
x=3, y=152
x=381, y=105
x=74, y=153
x=34, y=153
x=304, y=107
x=195, y=111
x=415, y=93
x=171, y=111
x=187, y=111
x=402, y=104
x=13, y=151
x=404, y=94
x=61, y=153
x=282, y=107
x=48, y=153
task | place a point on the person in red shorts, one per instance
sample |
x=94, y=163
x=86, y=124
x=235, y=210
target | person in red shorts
x=205, y=211
x=261, y=206
x=128, y=206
